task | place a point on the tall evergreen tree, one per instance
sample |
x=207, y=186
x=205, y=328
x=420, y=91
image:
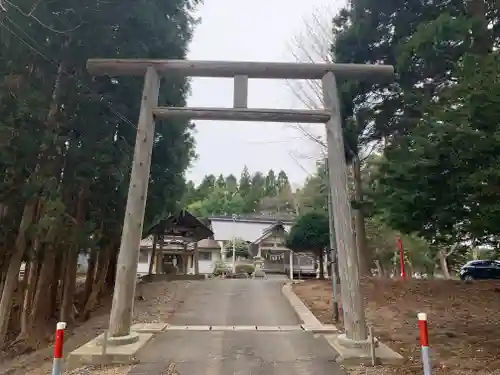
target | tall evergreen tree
x=221, y=182
x=282, y=182
x=270, y=184
x=206, y=186
x=67, y=142
x=231, y=184
x=258, y=184
x=245, y=183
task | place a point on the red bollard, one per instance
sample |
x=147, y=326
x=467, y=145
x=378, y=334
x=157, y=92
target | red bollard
x=58, y=348
x=424, y=342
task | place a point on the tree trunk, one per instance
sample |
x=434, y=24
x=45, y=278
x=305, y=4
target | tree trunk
x=40, y=312
x=59, y=267
x=12, y=278
x=4, y=209
x=111, y=271
x=4, y=267
x=411, y=270
x=46, y=168
x=322, y=265
x=153, y=254
x=365, y=258
x=443, y=264
x=28, y=297
x=70, y=275
x=103, y=264
x=62, y=271
x=380, y=268
x=89, y=278
x=68, y=294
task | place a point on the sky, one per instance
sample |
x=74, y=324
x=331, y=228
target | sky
x=254, y=30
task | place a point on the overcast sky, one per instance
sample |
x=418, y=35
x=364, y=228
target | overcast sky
x=252, y=30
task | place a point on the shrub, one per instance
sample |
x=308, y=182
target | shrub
x=244, y=268
x=220, y=268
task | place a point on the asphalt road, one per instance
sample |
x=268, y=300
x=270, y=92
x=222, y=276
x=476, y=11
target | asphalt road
x=237, y=303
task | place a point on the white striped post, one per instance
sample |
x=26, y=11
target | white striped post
x=424, y=342
x=58, y=348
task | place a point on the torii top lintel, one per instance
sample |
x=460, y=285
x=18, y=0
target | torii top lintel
x=230, y=69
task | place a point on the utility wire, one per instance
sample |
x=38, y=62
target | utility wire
x=41, y=54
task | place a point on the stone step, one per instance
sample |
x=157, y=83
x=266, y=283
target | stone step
x=160, y=327
x=258, y=328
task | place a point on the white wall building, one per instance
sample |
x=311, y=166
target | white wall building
x=262, y=232
x=211, y=250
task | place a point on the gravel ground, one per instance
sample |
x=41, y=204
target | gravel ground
x=160, y=300
x=100, y=370
x=464, y=325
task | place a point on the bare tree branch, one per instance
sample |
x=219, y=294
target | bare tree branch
x=312, y=45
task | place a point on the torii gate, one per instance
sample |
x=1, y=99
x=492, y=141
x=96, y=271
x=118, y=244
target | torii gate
x=123, y=298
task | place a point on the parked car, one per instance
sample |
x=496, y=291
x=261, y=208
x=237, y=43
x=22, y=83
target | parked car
x=480, y=269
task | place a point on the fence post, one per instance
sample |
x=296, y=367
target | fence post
x=424, y=342
x=58, y=348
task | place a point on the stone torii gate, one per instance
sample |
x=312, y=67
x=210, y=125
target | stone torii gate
x=123, y=298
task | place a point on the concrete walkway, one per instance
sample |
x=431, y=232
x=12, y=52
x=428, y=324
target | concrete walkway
x=237, y=303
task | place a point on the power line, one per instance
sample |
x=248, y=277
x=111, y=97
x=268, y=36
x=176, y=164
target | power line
x=31, y=14
x=276, y=141
x=41, y=54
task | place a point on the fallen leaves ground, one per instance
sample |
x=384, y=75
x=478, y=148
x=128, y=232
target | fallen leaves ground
x=101, y=370
x=463, y=318
x=161, y=299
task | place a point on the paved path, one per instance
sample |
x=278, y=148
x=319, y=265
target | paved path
x=236, y=303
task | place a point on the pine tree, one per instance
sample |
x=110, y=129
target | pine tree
x=282, y=182
x=245, y=183
x=66, y=144
x=270, y=184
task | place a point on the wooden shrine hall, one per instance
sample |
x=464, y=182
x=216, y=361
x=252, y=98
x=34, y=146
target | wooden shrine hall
x=174, y=244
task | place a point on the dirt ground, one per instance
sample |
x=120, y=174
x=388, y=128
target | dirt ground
x=160, y=301
x=463, y=319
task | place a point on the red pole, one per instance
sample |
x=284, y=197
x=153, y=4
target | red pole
x=402, y=258
x=58, y=348
x=424, y=342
